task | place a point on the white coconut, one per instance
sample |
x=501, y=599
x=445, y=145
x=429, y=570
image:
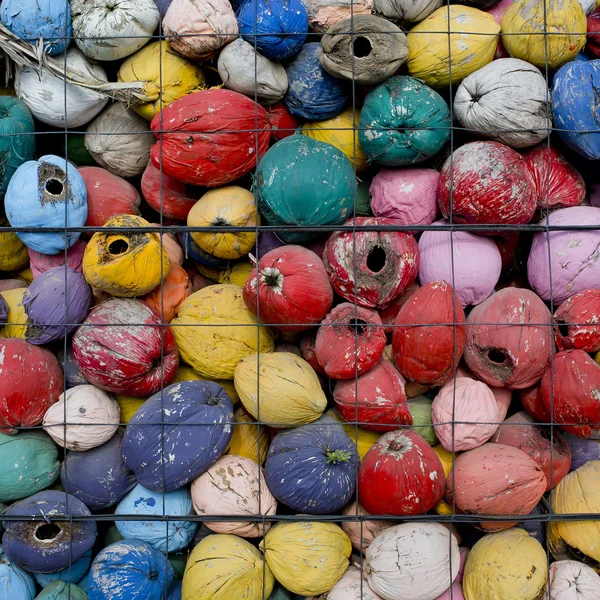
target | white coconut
x=91, y=416
x=588, y=6
x=407, y=10
x=45, y=94
x=507, y=101
x=352, y=586
x=572, y=580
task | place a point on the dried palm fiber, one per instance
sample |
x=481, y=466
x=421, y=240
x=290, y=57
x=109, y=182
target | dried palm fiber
x=366, y=48
x=244, y=70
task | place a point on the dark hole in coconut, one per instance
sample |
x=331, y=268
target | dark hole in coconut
x=475, y=98
x=395, y=445
x=496, y=356
x=219, y=222
x=47, y=532
x=359, y=324
x=376, y=259
x=54, y=187
x=545, y=433
x=563, y=328
x=272, y=279
x=153, y=575
x=118, y=247
x=361, y=47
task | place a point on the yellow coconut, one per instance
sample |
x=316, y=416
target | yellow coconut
x=341, y=132
x=246, y=439
x=443, y=507
x=363, y=438
x=237, y=274
x=26, y=275
x=473, y=42
x=16, y=324
x=280, y=389
x=531, y=18
x=125, y=264
x=308, y=558
x=128, y=406
x=578, y=492
x=230, y=205
x=509, y=565
x=161, y=69
x=13, y=252
x=226, y=567
x=186, y=373
x=214, y=330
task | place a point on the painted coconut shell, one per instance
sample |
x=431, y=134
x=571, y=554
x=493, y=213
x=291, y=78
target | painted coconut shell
x=582, y=450
x=289, y=287
x=350, y=341
x=352, y=586
x=16, y=319
x=312, y=469
x=173, y=535
x=31, y=380
x=61, y=590
x=572, y=580
x=570, y=388
x=129, y=569
x=166, y=299
x=47, y=547
x=412, y=561
x=84, y=417
x=577, y=322
x=363, y=438
x=465, y=414
x=76, y=572
x=400, y=475
x=15, y=582
x=481, y=479
x=169, y=422
x=98, y=477
x=307, y=557
x=509, y=339
x=39, y=263
x=30, y=464
x=520, y=432
x=429, y=353
x=213, y=350
x=231, y=487
x=510, y=565
x=376, y=399
x=221, y=567
x=248, y=439
x=490, y=185
x=371, y=267
x=362, y=532
x=422, y=423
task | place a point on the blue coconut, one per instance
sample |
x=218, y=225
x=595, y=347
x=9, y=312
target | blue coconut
x=73, y=574
x=15, y=583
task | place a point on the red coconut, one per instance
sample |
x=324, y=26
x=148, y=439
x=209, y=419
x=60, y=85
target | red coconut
x=212, y=137
x=292, y=288
x=495, y=479
x=122, y=354
x=531, y=399
x=509, y=244
x=376, y=399
x=520, y=432
x=283, y=124
x=577, y=322
x=166, y=299
x=400, y=475
x=388, y=315
x=502, y=348
x=593, y=31
x=307, y=348
x=429, y=352
x=108, y=195
x=177, y=199
x=491, y=184
x=370, y=266
x=557, y=183
x=31, y=381
x=576, y=392
x=350, y=341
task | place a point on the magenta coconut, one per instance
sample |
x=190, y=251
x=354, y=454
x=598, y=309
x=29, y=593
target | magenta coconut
x=574, y=257
x=477, y=263
x=39, y=263
x=55, y=303
x=407, y=195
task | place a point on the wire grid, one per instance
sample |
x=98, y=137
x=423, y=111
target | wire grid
x=259, y=424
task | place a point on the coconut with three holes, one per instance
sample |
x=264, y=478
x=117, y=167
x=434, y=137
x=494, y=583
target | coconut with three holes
x=507, y=101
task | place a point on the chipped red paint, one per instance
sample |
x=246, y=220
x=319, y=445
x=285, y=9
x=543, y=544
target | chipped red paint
x=576, y=391
x=386, y=263
x=376, y=399
x=509, y=339
x=344, y=350
x=577, y=322
x=520, y=432
x=390, y=312
x=283, y=124
x=531, y=399
x=593, y=32
x=212, y=137
x=509, y=244
x=491, y=184
x=31, y=381
x=400, y=475
x=307, y=348
x=123, y=353
x=292, y=287
x=426, y=354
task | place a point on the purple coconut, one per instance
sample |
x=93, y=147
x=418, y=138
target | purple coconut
x=49, y=304
x=574, y=255
x=267, y=241
x=582, y=450
x=477, y=263
x=3, y=311
x=47, y=546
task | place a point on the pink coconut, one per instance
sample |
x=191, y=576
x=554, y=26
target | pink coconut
x=39, y=263
x=454, y=593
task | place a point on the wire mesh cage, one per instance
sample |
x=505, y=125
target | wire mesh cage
x=299, y=299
